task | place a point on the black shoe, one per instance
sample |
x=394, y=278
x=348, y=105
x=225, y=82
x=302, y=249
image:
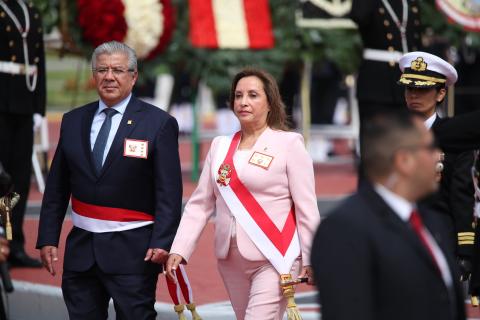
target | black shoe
x=20, y=259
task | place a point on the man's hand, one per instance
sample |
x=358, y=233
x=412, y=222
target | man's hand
x=4, y=249
x=49, y=258
x=156, y=255
x=173, y=262
x=307, y=272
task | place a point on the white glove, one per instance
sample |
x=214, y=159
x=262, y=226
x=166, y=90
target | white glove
x=37, y=121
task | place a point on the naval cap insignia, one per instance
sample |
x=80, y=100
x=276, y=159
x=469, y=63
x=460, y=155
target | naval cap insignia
x=419, y=64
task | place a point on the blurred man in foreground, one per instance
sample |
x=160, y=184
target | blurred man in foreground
x=379, y=255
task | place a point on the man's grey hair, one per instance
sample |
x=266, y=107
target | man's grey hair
x=112, y=47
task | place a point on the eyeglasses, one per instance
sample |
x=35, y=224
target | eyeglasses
x=102, y=71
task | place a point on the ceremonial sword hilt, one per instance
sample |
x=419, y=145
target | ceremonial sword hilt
x=6, y=205
x=286, y=283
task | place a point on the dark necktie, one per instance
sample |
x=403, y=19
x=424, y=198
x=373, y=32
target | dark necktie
x=101, y=142
x=417, y=226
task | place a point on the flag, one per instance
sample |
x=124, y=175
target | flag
x=231, y=24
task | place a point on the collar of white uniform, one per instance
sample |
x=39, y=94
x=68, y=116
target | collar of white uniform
x=429, y=122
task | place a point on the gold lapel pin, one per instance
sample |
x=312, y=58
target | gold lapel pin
x=129, y=121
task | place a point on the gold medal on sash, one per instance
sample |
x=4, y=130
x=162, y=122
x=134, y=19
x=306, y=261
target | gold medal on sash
x=224, y=174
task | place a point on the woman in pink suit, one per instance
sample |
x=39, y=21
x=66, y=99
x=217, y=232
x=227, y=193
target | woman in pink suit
x=260, y=183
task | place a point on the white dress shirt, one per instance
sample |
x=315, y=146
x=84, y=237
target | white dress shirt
x=403, y=209
x=100, y=117
x=429, y=122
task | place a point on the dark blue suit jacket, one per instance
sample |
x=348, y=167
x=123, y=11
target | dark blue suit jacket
x=152, y=185
x=370, y=265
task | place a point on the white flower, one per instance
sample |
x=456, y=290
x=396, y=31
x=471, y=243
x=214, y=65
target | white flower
x=145, y=25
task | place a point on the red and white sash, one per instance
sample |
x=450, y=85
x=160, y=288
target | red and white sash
x=181, y=287
x=95, y=218
x=280, y=247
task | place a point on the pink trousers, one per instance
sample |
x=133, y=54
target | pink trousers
x=253, y=286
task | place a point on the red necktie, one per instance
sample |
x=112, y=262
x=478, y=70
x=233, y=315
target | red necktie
x=417, y=226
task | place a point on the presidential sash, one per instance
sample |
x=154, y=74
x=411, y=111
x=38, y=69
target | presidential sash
x=96, y=218
x=280, y=247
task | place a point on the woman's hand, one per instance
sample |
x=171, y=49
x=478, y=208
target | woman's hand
x=172, y=264
x=307, y=272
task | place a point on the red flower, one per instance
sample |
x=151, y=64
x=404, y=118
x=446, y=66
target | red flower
x=101, y=20
x=104, y=20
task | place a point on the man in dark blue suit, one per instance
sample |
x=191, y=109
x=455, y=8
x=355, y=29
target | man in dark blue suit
x=117, y=159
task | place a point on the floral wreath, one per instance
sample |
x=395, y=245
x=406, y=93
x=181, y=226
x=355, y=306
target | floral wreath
x=144, y=25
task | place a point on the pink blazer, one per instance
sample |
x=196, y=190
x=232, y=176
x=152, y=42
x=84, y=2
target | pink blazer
x=289, y=178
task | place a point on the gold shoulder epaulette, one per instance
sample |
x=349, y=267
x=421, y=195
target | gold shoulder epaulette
x=466, y=238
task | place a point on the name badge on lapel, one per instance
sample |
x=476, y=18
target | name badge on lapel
x=260, y=159
x=135, y=148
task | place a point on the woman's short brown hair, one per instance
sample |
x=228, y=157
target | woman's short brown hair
x=277, y=117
